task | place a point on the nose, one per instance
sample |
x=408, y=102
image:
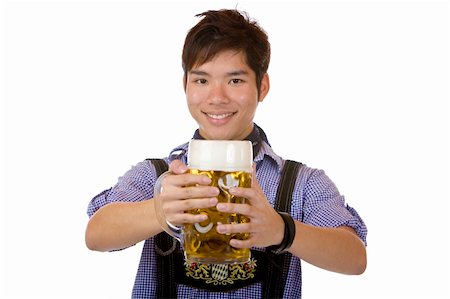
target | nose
x=217, y=94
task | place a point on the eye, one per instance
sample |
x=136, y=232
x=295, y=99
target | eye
x=236, y=81
x=201, y=81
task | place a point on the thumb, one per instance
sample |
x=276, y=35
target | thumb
x=178, y=167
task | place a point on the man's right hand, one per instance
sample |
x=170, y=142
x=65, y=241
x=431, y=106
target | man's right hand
x=182, y=191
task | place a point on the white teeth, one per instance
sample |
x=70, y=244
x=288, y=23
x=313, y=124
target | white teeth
x=219, y=116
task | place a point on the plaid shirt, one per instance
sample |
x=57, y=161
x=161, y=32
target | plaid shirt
x=315, y=201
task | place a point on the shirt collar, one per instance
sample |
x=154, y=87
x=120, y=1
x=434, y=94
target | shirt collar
x=267, y=151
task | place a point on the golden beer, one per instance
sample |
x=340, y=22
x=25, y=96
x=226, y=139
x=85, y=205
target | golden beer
x=228, y=164
x=202, y=242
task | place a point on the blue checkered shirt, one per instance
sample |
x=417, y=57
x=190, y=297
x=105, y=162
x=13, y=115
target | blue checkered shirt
x=315, y=201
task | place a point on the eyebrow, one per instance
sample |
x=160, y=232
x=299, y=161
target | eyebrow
x=199, y=73
x=237, y=73
x=229, y=74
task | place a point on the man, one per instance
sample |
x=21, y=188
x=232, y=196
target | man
x=225, y=61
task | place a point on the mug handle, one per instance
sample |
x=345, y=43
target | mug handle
x=173, y=230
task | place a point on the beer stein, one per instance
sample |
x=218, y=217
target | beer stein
x=228, y=163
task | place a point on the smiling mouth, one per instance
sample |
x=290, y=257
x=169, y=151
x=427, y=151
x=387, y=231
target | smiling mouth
x=219, y=116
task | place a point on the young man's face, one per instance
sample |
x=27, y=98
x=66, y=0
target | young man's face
x=222, y=96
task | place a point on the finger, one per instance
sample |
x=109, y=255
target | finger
x=180, y=206
x=176, y=211
x=186, y=179
x=196, y=192
x=242, y=209
x=234, y=228
x=242, y=243
x=182, y=218
x=253, y=194
x=178, y=167
x=249, y=193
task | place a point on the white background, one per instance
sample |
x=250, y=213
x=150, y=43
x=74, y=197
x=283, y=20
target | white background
x=90, y=88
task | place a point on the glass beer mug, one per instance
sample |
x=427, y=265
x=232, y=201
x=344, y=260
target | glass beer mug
x=228, y=163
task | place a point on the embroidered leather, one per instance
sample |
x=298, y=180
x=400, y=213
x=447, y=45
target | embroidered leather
x=221, y=277
x=221, y=273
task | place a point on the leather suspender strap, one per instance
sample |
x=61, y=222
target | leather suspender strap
x=166, y=286
x=278, y=268
x=286, y=187
x=160, y=166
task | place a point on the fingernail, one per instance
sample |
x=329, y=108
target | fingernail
x=221, y=206
x=220, y=228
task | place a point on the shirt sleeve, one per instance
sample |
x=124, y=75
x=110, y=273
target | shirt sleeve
x=135, y=185
x=325, y=206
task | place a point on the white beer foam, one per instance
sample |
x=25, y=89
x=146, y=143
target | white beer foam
x=223, y=155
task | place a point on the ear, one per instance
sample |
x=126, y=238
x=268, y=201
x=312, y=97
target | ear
x=265, y=86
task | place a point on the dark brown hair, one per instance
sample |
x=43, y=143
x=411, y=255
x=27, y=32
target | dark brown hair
x=221, y=30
